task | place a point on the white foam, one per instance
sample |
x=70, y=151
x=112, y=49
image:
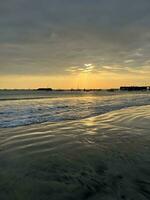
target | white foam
x=26, y=112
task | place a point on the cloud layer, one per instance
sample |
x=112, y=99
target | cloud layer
x=52, y=36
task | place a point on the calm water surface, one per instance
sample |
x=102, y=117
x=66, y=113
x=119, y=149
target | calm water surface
x=69, y=146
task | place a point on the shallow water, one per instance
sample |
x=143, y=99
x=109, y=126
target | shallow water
x=102, y=157
x=34, y=107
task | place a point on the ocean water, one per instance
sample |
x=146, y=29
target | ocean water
x=27, y=107
x=74, y=145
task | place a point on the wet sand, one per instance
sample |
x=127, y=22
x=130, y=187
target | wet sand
x=105, y=157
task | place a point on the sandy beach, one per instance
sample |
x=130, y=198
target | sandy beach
x=103, y=157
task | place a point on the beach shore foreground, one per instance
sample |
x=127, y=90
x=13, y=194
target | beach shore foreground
x=105, y=157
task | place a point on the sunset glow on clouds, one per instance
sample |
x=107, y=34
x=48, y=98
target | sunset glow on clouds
x=67, y=43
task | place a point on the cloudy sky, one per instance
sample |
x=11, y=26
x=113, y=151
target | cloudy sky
x=74, y=43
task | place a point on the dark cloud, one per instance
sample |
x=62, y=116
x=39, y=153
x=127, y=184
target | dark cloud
x=48, y=36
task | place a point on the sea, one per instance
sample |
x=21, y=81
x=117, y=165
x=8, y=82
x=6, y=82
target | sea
x=74, y=145
x=26, y=107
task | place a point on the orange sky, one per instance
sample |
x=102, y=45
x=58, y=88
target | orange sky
x=89, y=79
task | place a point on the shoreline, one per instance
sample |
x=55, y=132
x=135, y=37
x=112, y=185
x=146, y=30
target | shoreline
x=103, y=157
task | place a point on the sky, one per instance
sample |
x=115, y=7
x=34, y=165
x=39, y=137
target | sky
x=74, y=43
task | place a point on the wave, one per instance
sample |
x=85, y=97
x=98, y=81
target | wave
x=21, y=113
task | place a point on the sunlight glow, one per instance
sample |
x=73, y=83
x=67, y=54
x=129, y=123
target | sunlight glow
x=85, y=76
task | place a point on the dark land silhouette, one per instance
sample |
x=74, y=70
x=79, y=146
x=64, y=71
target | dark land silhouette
x=122, y=88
